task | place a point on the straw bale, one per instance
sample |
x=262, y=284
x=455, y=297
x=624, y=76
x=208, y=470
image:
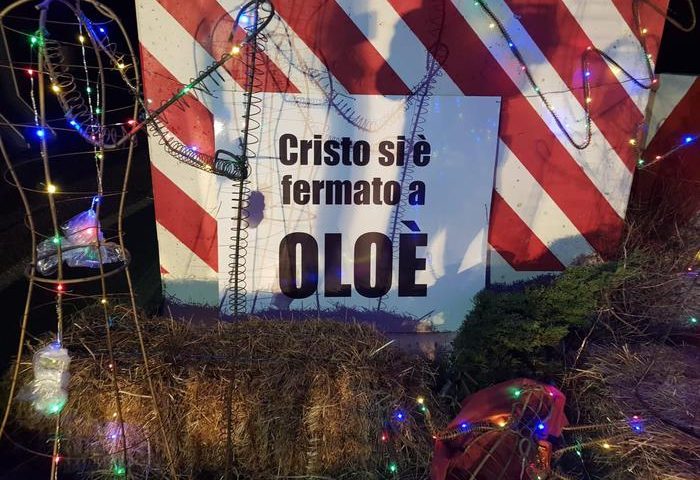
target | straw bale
x=306, y=398
x=658, y=383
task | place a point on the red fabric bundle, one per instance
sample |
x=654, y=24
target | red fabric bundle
x=533, y=411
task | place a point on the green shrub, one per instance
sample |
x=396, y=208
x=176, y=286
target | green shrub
x=521, y=331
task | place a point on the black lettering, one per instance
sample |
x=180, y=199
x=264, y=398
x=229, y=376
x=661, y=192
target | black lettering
x=421, y=152
x=316, y=187
x=363, y=264
x=332, y=157
x=362, y=192
x=377, y=191
x=338, y=192
x=346, y=144
x=304, y=147
x=288, y=265
x=288, y=140
x=409, y=264
x=333, y=267
x=360, y=153
x=301, y=192
x=317, y=150
x=400, y=150
x=386, y=159
x=286, y=187
x=392, y=192
x=416, y=195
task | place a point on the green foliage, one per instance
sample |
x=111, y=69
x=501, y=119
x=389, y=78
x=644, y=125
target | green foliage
x=522, y=331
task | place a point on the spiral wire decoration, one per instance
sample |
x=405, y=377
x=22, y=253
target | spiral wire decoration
x=254, y=47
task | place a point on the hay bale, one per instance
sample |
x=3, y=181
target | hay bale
x=658, y=383
x=306, y=398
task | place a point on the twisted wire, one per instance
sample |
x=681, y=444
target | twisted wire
x=255, y=48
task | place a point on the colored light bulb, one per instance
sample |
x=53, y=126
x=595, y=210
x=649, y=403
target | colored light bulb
x=51, y=188
x=40, y=133
x=393, y=468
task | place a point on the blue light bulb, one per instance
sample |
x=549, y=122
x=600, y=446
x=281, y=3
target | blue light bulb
x=540, y=426
x=688, y=139
x=40, y=133
x=102, y=30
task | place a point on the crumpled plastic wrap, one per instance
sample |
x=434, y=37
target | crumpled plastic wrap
x=78, y=245
x=49, y=391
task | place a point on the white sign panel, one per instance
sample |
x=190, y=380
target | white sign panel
x=384, y=213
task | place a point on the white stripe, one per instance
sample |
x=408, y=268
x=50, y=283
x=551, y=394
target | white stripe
x=536, y=208
x=179, y=52
x=202, y=187
x=672, y=89
x=599, y=161
x=392, y=38
x=189, y=279
x=501, y=272
x=609, y=32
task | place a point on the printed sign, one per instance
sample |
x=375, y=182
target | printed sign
x=388, y=214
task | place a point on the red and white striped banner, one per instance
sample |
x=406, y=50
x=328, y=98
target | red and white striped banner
x=551, y=203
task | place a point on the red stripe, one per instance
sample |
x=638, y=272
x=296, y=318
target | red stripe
x=673, y=181
x=515, y=242
x=185, y=219
x=683, y=120
x=612, y=110
x=441, y=28
x=522, y=129
x=341, y=46
x=211, y=26
x=194, y=127
x=649, y=19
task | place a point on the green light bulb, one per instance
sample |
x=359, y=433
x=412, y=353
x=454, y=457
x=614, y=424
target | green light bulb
x=393, y=468
x=693, y=320
x=119, y=470
x=98, y=110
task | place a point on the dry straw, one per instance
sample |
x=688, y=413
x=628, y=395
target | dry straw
x=306, y=398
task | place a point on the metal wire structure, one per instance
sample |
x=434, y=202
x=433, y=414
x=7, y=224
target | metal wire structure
x=261, y=14
x=87, y=117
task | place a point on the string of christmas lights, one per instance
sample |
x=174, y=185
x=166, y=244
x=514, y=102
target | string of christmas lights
x=586, y=73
